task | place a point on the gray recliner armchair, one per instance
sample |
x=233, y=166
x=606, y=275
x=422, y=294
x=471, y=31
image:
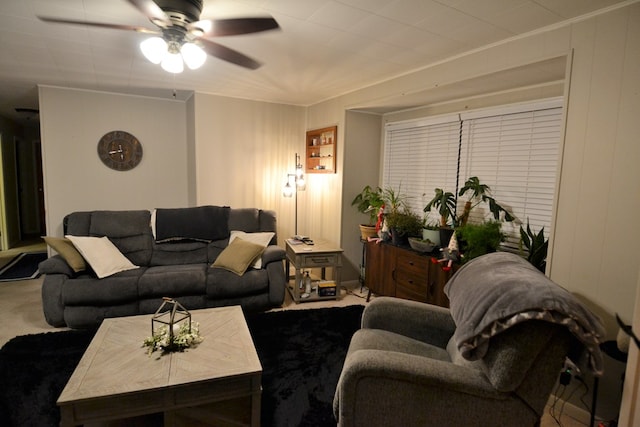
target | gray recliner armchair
x=485, y=361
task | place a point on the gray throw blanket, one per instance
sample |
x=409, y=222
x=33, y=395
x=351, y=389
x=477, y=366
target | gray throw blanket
x=496, y=291
x=202, y=223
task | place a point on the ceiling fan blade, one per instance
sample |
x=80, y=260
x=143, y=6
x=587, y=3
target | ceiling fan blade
x=229, y=55
x=153, y=12
x=97, y=24
x=234, y=26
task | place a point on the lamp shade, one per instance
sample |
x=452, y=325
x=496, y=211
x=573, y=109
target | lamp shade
x=172, y=63
x=154, y=49
x=193, y=55
x=287, y=191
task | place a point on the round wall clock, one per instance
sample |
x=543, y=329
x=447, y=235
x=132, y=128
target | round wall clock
x=120, y=150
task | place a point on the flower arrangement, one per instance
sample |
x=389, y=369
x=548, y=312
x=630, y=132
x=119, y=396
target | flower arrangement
x=183, y=337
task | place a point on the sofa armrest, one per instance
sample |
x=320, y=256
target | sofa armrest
x=55, y=265
x=424, y=322
x=272, y=253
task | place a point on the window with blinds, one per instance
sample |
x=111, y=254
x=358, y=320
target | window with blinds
x=514, y=150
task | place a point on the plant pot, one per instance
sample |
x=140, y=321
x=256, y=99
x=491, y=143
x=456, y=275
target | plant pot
x=433, y=235
x=399, y=239
x=367, y=231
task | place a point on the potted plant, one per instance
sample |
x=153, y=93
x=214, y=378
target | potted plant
x=431, y=232
x=395, y=201
x=480, y=193
x=537, y=247
x=479, y=239
x=445, y=203
x=402, y=225
x=369, y=201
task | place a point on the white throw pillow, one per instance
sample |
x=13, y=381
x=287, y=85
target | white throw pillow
x=262, y=239
x=102, y=255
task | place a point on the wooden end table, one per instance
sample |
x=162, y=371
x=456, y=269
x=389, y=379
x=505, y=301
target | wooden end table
x=322, y=254
x=218, y=380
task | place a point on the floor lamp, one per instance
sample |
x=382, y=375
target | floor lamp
x=295, y=183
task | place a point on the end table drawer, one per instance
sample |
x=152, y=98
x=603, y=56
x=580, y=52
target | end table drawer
x=320, y=260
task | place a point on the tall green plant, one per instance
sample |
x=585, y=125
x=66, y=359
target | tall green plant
x=480, y=193
x=395, y=201
x=536, y=245
x=445, y=204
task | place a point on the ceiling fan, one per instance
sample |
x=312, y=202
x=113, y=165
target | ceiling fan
x=183, y=35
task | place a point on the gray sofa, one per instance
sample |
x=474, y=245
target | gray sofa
x=177, y=266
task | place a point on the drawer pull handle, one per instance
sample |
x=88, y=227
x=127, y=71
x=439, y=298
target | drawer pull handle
x=325, y=259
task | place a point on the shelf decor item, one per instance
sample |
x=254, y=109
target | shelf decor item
x=321, y=150
x=172, y=328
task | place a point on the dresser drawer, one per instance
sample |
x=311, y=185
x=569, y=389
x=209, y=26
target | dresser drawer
x=411, y=282
x=411, y=292
x=412, y=264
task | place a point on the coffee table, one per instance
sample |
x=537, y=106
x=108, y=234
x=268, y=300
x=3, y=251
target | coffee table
x=215, y=382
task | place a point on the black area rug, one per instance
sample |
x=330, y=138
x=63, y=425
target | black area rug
x=301, y=351
x=22, y=267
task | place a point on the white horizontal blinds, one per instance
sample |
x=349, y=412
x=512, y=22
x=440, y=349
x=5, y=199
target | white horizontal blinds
x=419, y=159
x=516, y=154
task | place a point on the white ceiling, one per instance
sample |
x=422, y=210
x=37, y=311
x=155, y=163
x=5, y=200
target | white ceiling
x=324, y=47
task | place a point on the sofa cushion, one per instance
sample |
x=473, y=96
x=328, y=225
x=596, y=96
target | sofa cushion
x=102, y=255
x=68, y=252
x=261, y=238
x=245, y=219
x=118, y=224
x=175, y=253
x=87, y=290
x=238, y=256
x=173, y=280
x=130, y=231
x=222, y=283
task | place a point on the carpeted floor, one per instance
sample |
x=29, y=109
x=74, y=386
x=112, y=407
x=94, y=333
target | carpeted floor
x=301, y=352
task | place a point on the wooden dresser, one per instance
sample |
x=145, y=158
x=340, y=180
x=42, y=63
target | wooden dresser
x=404, y=273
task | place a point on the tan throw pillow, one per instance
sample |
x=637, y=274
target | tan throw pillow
x=102, y=255
x=67, y=251
x=238, y=256
x=261, y=238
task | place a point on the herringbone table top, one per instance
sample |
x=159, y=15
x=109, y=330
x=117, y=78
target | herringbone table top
x=116, y=363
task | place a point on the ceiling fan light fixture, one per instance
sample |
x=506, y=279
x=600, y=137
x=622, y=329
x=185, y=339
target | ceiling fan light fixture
x=172, y=63
x=154, y=49
x=193, y=55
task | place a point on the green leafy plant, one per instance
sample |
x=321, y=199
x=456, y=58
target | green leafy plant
x=480, y=239
x=369, y=201
x=445, y=204
x=536, y=245
x=404, y=223
x=480, y=193
x=395, y=201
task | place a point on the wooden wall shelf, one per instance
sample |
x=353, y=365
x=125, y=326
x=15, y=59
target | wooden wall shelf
x=320, y=151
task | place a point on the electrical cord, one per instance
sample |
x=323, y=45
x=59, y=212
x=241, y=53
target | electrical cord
x=557, y=397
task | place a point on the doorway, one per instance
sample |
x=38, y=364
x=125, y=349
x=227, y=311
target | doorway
x=21, y=190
